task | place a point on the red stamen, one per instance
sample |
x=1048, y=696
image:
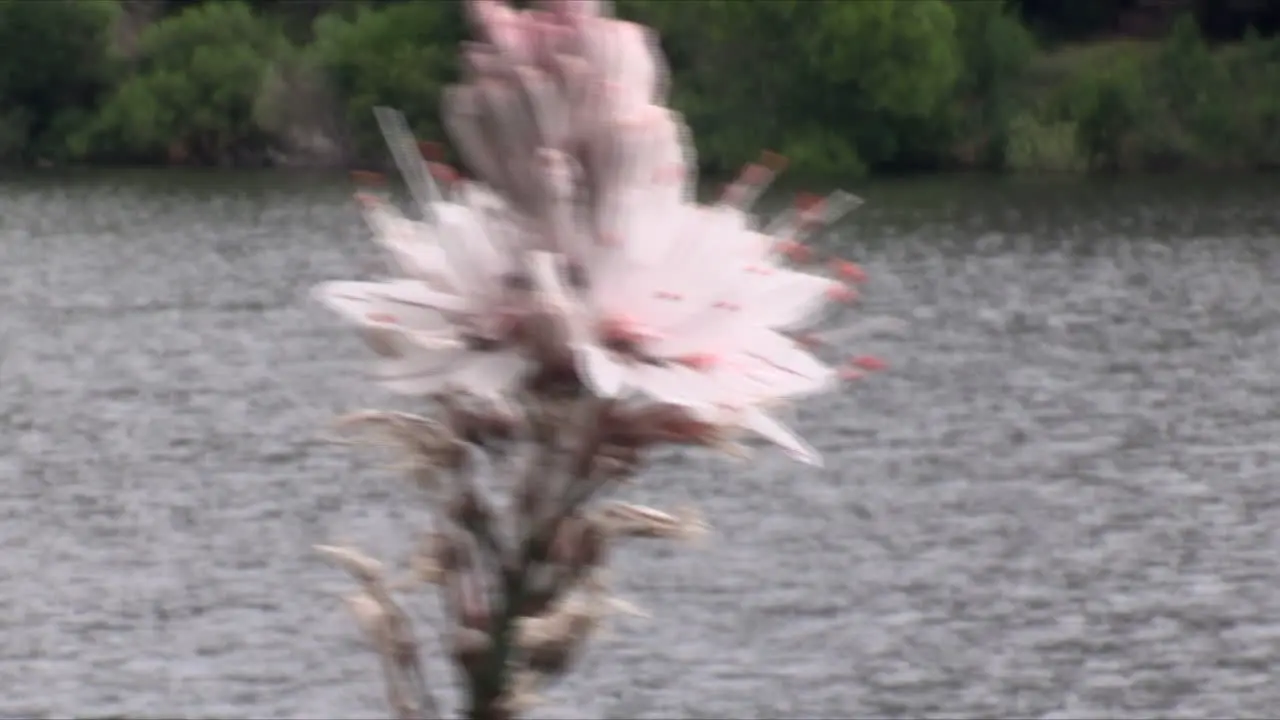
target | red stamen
x=849, y=271
x=381, y=318
x=839, y=292
x=869, y=363
x=849, y=374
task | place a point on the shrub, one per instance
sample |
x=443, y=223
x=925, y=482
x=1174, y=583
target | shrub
x=1107, y=104
x=1039, y=146
x=398, y=55
x=55, y=64
x=192, y=94
x=995, y=50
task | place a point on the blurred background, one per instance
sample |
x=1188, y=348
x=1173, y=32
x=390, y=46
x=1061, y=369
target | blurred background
x=841, y=88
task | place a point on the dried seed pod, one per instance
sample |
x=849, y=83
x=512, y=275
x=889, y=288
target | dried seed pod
x=551, y=641
x=371, y=617
x=521, y=696
x=578, y=544
x=424, y=566
x=630, y=520
x=362, y=567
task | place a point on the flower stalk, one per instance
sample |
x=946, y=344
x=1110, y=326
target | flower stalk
x=567, y=311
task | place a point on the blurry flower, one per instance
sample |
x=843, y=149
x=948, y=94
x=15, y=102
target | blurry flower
x=453, y=318
x=583, y=247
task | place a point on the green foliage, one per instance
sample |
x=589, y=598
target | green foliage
x=1253, y=75
x=1106, y=103
x=840, y=82
x=996, y=51
x=191, y=94
x=839, y=87
x=401, y=56
x=1040, y=146
x=55, y=63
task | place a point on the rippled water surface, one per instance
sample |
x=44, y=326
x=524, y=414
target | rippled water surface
x=1062, y=501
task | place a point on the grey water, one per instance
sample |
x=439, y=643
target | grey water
x=1061, y=500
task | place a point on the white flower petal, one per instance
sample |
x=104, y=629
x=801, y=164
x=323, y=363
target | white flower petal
x=416, y=256
x=781, y=368
x=600, y=371
x=775, y=432
x=418, y=371
x=674, y=384
x=397, y=304
x=784, y=298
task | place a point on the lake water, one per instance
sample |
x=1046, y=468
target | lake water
x=1063, y=500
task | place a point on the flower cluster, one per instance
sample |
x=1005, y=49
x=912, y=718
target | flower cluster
x=575, y=299
x=578, y=250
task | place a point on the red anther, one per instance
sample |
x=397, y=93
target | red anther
x=698, y=361
x=869, y=363
x=365, y=177
x=850, y=271
x=840, y=292
x=431, y=150
x=381, y=318
x=772, y=160
x=796, y=251
x=368, y=200
x=849, y=374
